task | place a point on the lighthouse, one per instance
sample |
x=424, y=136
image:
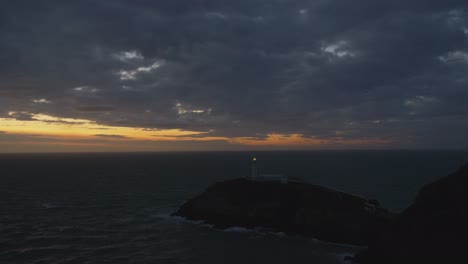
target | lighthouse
x=266, y=177
x=254, y=169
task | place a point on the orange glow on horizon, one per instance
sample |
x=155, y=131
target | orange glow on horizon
x=299, y=140
x=45, y=130
x=44, y=125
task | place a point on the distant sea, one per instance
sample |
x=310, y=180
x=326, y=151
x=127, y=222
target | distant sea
x=115, y=208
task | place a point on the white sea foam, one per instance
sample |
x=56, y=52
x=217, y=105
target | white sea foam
x=236, y=229
x=259, y=231
x=168, y=216
x=341, y=257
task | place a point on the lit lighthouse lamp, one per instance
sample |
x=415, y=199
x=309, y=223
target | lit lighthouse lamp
x=265, y=177
x=254, y=169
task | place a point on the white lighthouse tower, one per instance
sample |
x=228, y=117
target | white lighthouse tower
x=254, y=169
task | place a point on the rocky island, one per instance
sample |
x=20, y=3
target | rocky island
x=434, y=229
x=287, y=206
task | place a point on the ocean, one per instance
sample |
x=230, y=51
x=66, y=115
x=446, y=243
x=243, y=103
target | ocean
x=115, y=207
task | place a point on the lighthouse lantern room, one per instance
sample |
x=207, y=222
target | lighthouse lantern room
x=255, y=176
x=254, y=169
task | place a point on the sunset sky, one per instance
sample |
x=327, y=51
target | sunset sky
x=140, y=75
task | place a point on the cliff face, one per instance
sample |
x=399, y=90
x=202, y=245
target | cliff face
x=434, y=229
x=295, y=208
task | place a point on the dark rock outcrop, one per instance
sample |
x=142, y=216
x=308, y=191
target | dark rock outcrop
x=293, y=208
x=434, y=229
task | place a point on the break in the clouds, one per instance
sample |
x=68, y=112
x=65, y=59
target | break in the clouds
x=388, y=70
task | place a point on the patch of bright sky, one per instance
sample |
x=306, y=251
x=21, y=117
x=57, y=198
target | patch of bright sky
x=181, y=110
x=41, y=101
x=132, y=74
x=127, y=56
x=419, y=101
x=338, y=49
x=455, y=56
x=86, y=89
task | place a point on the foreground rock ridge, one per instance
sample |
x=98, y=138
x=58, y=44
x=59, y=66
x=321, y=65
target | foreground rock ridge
x=434, y=229
x=294, y=208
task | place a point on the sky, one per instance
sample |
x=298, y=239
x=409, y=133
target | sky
x=141, y=75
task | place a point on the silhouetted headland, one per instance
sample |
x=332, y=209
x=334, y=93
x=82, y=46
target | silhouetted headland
x=291, y=207
x=434, y=229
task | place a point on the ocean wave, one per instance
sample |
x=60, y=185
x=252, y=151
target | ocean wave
x=41, y=249
x=49, y=205
x=235, y=229
x=52, y=205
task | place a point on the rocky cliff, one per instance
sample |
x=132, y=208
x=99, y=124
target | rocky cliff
x=293, y=208
x=434, y=229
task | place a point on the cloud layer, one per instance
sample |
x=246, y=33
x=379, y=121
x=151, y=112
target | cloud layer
x=324, y=69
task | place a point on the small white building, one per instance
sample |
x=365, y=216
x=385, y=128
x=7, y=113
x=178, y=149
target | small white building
x=265, y=177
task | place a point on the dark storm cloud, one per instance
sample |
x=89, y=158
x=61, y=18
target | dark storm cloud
x=95, y=108
x=325, y=69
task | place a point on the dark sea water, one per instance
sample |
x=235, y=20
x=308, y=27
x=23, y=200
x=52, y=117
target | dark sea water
x=114, y=208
